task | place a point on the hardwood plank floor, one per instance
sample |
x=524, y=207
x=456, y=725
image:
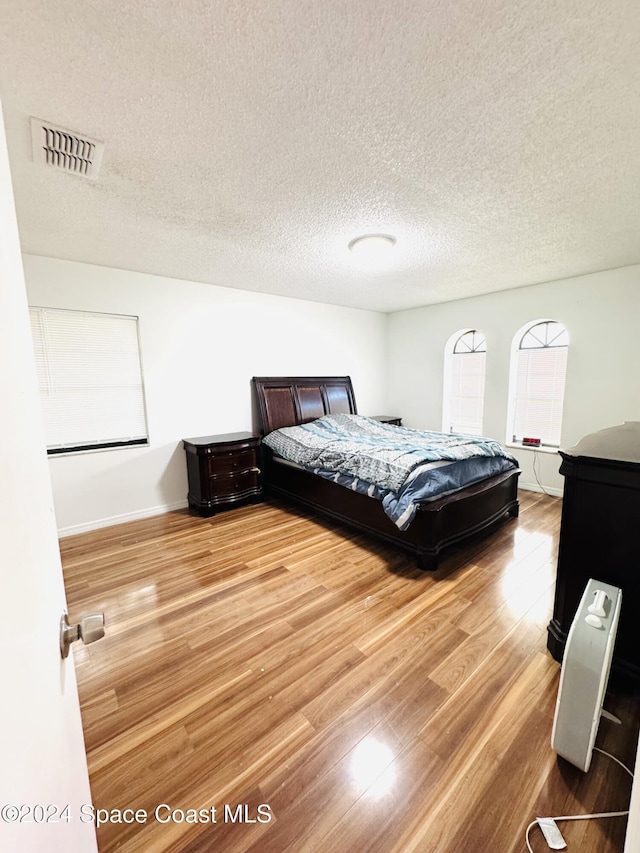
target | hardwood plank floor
x=322, y=694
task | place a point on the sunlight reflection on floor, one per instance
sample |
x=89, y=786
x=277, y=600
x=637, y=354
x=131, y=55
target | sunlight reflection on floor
x=371, y=767
x=524, y=582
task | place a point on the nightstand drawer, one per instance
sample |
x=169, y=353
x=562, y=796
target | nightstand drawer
x=229, y=461
x=234, y=485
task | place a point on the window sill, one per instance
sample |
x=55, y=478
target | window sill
x=540, y=449
x=106, y=448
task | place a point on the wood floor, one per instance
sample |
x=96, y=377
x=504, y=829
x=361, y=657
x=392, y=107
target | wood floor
x=312, y=691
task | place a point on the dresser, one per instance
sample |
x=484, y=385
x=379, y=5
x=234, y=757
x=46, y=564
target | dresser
x=223, y=471
x=600, y=536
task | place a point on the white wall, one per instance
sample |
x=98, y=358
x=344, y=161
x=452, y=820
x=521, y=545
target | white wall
x=601, y=312
x=201, y=345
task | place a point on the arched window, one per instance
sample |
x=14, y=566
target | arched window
x=464, y=382
x=538, y=371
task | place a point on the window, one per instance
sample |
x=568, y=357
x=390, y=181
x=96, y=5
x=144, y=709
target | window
x=465, y=358
x=90, y=379
x=538, y=371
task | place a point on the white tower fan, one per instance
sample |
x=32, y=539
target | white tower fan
x=585, y=672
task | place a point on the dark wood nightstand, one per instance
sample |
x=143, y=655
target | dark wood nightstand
x=393, y=420
x=223, y=471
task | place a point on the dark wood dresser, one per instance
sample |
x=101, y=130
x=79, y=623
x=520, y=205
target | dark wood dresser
x=223, y=471
x=600, y=537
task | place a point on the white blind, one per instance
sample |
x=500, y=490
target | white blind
x=539, y=395
x=90, y=379
x=467, y=392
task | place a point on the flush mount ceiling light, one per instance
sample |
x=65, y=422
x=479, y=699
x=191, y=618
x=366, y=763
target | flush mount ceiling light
x=373, y=250
x=372, y=245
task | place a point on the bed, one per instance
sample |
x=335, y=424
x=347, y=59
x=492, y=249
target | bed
x=438, y=524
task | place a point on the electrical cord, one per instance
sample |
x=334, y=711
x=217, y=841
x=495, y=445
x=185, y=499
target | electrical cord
x=535, y=473
x=584, y=816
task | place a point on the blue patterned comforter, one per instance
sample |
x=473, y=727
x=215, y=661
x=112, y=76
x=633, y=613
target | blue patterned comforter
x=393, y=464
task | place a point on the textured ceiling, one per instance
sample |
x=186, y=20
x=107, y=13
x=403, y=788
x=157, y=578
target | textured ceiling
x=248, y=143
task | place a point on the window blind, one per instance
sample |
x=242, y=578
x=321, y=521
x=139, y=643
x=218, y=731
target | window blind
x=90, y=379
x=467, y=392
x=539, y=394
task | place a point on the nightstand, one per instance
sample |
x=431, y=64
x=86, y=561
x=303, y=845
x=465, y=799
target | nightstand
x=223, y=471
x=393, y=420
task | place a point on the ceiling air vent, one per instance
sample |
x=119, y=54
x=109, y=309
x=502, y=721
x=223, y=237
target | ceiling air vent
x=64, y=149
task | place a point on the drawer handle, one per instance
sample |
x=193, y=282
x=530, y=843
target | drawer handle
x=255, y=470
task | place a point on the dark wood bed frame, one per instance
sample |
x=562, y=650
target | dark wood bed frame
x=288, y=400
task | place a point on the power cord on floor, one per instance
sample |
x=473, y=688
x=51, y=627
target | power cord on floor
x=536, y=474
x=552, y=820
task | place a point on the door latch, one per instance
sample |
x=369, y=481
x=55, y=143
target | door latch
x=89, y=629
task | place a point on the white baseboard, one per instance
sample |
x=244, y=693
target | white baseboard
x=534, y=487
x=159, y=510
x=119, y=519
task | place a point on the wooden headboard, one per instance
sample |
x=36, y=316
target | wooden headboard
x=290, y=400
